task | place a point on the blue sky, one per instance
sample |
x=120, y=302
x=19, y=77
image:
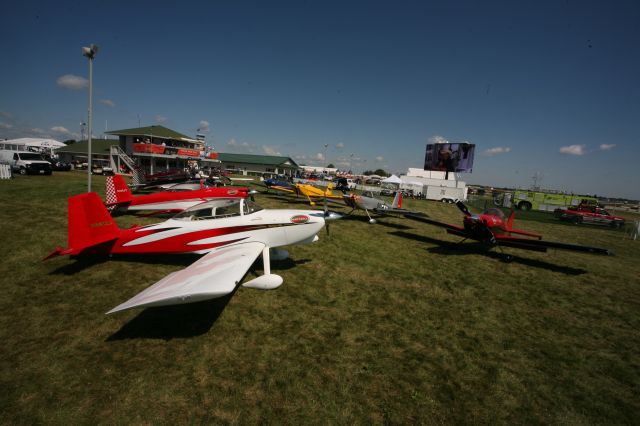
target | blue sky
x=541, y=87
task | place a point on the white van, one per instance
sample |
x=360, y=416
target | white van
x=25, y=162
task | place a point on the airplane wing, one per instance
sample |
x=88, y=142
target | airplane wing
x=423, y=218
x=215, y=274
x=286, y=189
x=541, y=245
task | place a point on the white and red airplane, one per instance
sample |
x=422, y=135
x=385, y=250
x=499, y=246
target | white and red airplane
x=120, y=198
x=232, y=233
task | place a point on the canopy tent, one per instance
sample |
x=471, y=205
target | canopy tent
x=35, y=142
x=392, y=179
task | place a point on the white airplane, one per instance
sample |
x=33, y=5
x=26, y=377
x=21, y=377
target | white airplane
x=231, y=234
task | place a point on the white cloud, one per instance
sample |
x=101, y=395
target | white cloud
x=6, y=126
x=437, y=139
x=107, y=102
x=380, y=159
x=160, y=118
x=72, y=82
x=607, y=146
x=319, y=156
x=60, y=129
x=203, y=126
x=269, y=150
x=37, y=131
x=497, y=150
x=5, y=114
x=244, y=147
x=573, y=149
x=340, y=145
x=300, y=157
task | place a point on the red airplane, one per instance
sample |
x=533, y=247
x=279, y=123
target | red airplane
x=120, y=198
x=491, y=229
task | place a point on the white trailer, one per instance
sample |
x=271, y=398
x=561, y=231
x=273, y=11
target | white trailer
x=446, y=194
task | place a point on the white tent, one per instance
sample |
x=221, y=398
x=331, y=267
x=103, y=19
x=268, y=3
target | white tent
x=35, y=142
x=392, y=179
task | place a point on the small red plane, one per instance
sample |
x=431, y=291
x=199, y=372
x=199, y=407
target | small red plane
x=491, y=229
x=120, y=198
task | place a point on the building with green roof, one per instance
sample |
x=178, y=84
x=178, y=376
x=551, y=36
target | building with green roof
x=155, y=148
x=152, y=149
x=258, y=164
x=158, y=132
x=77, y=152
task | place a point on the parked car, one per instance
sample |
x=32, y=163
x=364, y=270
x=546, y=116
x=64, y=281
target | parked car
x=585, y=213
x=25, y=162
x=102, y=168
x=59, y=166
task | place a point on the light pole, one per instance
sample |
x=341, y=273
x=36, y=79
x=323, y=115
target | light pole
x=90, y=52
x=326, y=146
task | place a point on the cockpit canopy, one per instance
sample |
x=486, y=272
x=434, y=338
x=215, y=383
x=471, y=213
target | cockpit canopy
x=216, y=209
x=494, y=212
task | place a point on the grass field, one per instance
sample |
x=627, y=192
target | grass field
x=386, y=323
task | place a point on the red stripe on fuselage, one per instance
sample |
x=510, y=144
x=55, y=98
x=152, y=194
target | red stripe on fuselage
x=178, y=243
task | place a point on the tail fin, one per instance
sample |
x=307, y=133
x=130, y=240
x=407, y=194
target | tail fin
x=512, y=217
x=90, y=225
x=329, y=190
x=117, y=191
x=397, y=201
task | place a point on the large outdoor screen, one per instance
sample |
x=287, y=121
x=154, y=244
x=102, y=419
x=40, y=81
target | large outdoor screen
x=449, y=157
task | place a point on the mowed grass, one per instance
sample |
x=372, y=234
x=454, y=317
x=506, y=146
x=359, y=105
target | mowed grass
x=385, y=323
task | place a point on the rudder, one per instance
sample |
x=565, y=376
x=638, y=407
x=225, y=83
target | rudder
x=89, y=222
x=117, y=191
x=397, y=200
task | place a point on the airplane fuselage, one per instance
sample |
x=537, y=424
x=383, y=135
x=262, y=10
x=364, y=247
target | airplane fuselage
x=272, y=227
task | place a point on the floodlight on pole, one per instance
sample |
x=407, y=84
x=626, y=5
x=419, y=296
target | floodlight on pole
x=90, y=53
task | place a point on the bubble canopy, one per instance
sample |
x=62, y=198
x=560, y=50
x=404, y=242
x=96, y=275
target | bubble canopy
x=216, y=209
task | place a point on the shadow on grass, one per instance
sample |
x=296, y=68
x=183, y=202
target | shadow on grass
x=380, y=220
x=448, y=248
x=188, y=320
x=83, y=262
x=80, y=264
x=286, y=264
x=173, y=322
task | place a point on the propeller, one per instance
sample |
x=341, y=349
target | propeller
x=329, y=216
x=463, y=208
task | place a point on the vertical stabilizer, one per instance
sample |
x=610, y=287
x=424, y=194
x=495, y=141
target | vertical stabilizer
x=397, y=201
x=89, y=222
x=329, y=191
x=117, y=191
x=90, y=226
x=512, y=217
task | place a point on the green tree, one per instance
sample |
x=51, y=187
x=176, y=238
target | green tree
x=331, y=166
x=69, y=142
x=380, y=172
